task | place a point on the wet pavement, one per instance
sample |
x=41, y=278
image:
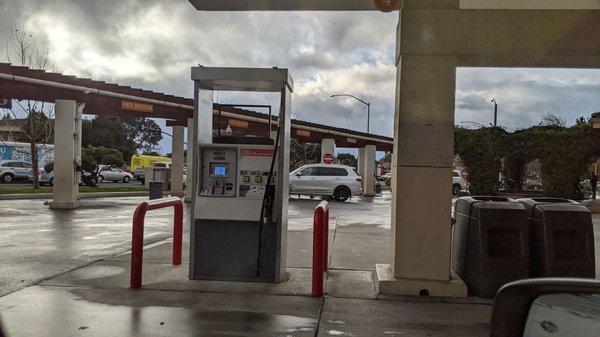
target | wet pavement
x=37, y=243
x=78, y=265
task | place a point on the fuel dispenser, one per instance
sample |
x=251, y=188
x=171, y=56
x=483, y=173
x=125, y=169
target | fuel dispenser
x=240, y=184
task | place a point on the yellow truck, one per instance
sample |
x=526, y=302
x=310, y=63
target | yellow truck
x=140, y=162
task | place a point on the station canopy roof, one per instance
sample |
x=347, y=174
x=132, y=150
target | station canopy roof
x=109, y=99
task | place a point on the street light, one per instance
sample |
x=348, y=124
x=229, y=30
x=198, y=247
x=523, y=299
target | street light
x=161, y=131
x=495, y=112
x=368, y=104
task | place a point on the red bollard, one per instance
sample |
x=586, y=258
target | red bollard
x=137, y=246
x=137, y=235
x=177, y=234
x=326, y=239
x=320, y=249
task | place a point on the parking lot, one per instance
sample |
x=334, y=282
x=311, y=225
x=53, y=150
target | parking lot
x=78, y=263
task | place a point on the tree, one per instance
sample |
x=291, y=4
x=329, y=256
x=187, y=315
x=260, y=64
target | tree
x=386, y=159
x=303, y=153
x=23, y=50
x=129, y=137
x=481, y=151
x=144, y=133
x=104, y=156
x=113, y=160
x=347, y=159
x=521, y=147
x=565, y=154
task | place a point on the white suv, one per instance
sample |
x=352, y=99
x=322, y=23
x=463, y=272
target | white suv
x=458, y=183
x=338, y=181
x=12, y=170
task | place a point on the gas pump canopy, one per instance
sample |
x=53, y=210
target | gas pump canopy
x=289, y=5
x=242, y=79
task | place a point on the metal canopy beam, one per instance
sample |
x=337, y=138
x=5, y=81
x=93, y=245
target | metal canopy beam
x=283, y=5
x=368, y=5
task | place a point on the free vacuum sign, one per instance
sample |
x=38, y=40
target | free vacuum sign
x=5, y=103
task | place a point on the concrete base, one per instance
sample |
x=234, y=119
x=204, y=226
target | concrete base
x=386, y=283
x=64, y=204
x=369, y=195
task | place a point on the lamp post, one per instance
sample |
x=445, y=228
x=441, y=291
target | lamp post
x=495, y=112
x=368, y=104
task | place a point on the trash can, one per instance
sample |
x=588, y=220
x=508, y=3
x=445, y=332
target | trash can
x=561, y=238
x=490, y=244
x=156, y=189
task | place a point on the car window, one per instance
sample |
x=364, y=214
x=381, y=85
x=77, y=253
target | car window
x=340, y=172
x=321, y=171
x=331, y=171
x=26, y=165
x=308, y=171
x=456, y=174
x=13, y=164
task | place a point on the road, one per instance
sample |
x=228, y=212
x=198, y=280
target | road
x=37, y=243
x=19, y=185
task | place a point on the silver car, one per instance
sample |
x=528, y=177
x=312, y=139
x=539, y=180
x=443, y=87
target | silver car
x=114, y=174
x=338, y=181
x=13, y=170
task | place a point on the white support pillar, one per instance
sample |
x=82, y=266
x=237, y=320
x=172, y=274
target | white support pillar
x=189, y=160
x=178, y=160
x=423, y=151
x=369, y=171
x=361, y=165
x=327, y=147
x=64, y=195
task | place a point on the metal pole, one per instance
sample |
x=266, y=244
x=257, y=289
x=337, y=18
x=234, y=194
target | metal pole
x=495, y=114
x=368, y=116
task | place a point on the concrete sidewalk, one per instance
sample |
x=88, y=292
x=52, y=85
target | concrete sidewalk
x=94, y=300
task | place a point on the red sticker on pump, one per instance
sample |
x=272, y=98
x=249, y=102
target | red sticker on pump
x=257, y=153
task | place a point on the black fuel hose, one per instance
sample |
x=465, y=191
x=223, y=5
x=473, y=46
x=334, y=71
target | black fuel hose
x=266, y=211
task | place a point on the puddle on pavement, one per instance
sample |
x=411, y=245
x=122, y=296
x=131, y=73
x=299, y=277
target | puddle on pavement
x=243, y=321
x=95, y=272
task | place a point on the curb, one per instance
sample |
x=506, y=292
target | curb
x=91, y=195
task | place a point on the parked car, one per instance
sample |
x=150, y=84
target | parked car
x=532, y=185
x=47, y=178
x=340, y=182
x=458, y=182
x=114, y=174
x=13, y=170
x=385, y=177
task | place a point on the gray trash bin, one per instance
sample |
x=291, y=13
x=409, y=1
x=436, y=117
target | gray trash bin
x=489, y=243
x=561, y=238
x=156, y=189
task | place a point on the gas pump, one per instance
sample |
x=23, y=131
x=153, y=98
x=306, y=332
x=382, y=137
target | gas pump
x=240, y=184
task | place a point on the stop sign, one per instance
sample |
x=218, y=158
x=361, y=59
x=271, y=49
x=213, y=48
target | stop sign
x=386, y=5
x=328, y=158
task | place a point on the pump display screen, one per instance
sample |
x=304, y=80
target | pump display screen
x=219, y=170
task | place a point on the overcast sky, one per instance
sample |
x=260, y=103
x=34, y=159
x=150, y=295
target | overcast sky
x=153, y=43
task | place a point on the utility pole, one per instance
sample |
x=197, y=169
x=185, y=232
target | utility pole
x=495, y=112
